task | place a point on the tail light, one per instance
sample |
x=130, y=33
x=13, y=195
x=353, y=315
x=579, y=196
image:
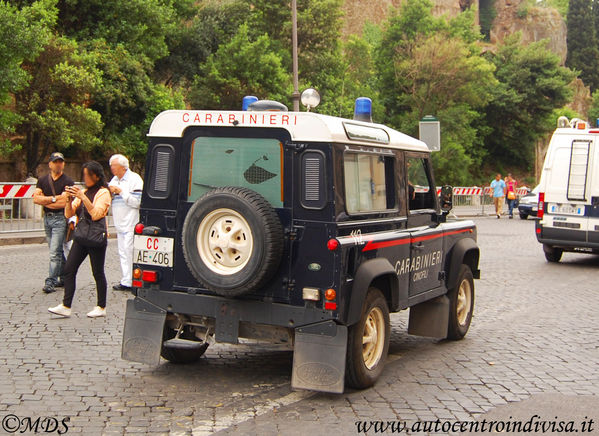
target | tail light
x=332, y=244
x=139, y=227
x=149, y=276
x=541, y=205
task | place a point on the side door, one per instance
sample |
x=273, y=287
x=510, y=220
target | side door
x=371, y=212
x=426, y=236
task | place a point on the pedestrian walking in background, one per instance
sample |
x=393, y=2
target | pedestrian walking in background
x=498, y=194
x=50, y=193
x=126, y=188
x=510, y=187
x=90, y=205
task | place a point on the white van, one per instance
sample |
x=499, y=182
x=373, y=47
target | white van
x=569, y=191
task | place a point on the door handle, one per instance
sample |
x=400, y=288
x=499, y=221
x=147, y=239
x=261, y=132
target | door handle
x=418, y=247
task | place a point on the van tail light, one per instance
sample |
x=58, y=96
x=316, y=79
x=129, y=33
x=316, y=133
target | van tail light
x=541, y=206
x=139, y=227
x=149, y=276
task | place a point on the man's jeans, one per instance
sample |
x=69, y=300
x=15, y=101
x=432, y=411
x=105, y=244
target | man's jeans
x=55, y=225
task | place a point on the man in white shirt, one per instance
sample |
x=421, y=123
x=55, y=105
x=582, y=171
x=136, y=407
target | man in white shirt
x=126, y=187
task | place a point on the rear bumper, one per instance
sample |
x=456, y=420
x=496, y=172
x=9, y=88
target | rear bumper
x=567, y=239
x=228, y=312
x=320, y=344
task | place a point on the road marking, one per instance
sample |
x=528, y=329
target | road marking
x=237, y=418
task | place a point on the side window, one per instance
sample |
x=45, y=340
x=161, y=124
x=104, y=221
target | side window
x=369, y=183
x=420, y=189
x=254, y=163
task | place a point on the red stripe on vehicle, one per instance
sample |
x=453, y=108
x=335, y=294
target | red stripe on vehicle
x=370, y=245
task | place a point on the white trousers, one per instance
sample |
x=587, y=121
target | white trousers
x=125, y=243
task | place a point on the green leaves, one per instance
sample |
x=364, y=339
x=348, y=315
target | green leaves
x=240, y=67
x=583, y=50
x=430, y=65
x=532, y=85
x=53, y=109
x=22, y=36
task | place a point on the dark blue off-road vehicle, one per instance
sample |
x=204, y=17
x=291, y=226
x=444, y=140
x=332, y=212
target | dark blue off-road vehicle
x=298, y=228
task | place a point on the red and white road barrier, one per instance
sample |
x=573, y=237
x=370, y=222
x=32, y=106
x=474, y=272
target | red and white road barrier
x=476, y=190
x=17, y=190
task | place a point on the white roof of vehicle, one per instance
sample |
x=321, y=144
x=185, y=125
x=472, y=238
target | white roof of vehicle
x=302, y=127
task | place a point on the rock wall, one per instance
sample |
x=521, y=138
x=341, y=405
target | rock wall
x=535, y=23
x=357, y=12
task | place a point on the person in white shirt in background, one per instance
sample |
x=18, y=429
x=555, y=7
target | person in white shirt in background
x=126, y=187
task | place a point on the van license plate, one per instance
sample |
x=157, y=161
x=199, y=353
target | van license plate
x=566, y=209
x=153, y=250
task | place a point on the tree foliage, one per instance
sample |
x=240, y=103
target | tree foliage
x=433, y=66
x=583, y=51
x=532, y=84
x=53, y=109
x=240, y=67
x=23, y=34
x=88, y=76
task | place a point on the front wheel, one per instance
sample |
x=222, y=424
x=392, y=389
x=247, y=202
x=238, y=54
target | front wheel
x=461, y=304
x=368, y=342
x=523, y=216
x=552, y=254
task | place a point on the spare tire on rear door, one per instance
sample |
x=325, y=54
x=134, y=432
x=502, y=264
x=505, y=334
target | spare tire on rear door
x=232, y=240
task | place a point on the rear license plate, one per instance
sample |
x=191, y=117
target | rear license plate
x=566, y=209
x=152, y=250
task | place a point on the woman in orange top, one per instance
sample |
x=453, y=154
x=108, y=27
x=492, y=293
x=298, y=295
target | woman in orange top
x=510, y=195
x=91, y=203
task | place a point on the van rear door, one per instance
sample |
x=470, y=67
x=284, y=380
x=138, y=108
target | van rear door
x=567, y=196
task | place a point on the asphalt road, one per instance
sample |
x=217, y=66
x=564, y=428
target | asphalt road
x=532, y=349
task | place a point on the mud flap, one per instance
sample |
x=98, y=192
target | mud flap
x=319, y=357
x=142, y=335
x=430, y=319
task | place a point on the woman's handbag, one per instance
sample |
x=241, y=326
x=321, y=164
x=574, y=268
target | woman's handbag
x=511, y=195
x=90, y=233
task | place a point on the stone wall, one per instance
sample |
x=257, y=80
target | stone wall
x=358, y=12
x=535, y=23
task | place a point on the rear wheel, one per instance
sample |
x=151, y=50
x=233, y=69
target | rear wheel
x=552, y=254
x=461, y=304
x=523, y=216
x=368, y=342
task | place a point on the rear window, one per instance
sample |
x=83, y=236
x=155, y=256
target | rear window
x=254, y=163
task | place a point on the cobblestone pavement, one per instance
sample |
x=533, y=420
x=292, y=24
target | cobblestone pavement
x=534, y=332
